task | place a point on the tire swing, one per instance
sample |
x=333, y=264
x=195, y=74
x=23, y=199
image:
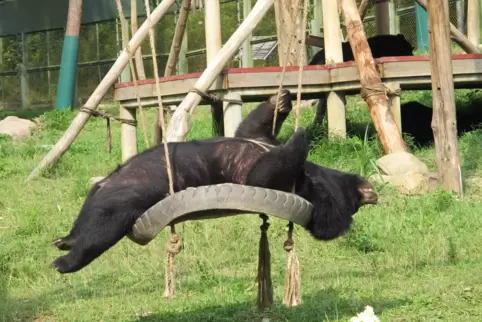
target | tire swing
x=223, y=200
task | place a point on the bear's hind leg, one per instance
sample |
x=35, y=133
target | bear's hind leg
x=281, y=167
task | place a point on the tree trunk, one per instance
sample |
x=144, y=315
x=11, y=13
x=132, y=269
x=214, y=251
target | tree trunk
x=383, y=120
x=444, y=123
x=456, y=35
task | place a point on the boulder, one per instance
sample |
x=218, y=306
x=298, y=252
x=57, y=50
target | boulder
x=399, y=163
x=16, y=127
x=94, y=180
x=410, y=183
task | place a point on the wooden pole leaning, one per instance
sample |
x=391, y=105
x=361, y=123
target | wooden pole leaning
x=109, y=79
x=373, y=90
x=181, y=122
x=444, y=120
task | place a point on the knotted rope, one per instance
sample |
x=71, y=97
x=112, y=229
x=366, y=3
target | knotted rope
x=379, y=89
x=173, y=248
x=265, y=285
x=107, y=117
x=171, y=252
x=292, y=291
x=211, y=98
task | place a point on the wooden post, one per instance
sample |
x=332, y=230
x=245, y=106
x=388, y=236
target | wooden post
x=212, y=19
x=247, y=57
x=385, y=18
x=141, y=73
x=459, y=8
x=395, y=106
x=473, y=23
x=456, y=35
x=316, y=23
x=288, y=20
x=444, y=122
x=109, y=79
x=24, y=91
x=178, y=38
x=333, y=54
x=383, y=120
x=180, y=123
x=232, y=114
x=182, y=64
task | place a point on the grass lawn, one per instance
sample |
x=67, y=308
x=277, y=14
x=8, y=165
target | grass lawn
x=413, y=258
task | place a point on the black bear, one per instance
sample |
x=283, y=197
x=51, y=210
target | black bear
x=380, y=46
x=114, y=204
x=336, y=195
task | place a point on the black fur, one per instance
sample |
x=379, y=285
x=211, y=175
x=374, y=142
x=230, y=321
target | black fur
x=380, y=46
x=114, y=204
x=336, y=196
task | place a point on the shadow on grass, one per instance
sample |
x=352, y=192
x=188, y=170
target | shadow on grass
x=326, y=305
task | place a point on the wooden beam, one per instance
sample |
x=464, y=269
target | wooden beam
x=473, y=22
x=335, y=105
x=444, y=122
x=377, y=101
x=384, y=18
x=109, y=79
x=288, y=22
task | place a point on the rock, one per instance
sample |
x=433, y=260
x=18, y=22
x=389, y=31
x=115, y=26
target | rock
x=16, y=127
x=398, y=163
x=94, y=180
x=411, y=183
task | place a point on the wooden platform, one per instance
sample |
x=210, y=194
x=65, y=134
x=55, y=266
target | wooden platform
x=256, y=84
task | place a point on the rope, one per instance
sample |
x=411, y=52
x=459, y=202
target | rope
x=292, y=291
x=285, y=61
x=159, y=99
x=379, y=89
x=125, y=35
x=301, y=62
x=107, y=117
x=211, y=98
x=174, y=244
x=265, y=285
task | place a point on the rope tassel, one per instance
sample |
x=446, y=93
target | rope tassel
x=173, y=248
x=292, y=291
x=265, y=286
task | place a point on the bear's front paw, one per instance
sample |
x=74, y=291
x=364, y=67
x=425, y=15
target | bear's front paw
x=62, y=244
x=62, y=265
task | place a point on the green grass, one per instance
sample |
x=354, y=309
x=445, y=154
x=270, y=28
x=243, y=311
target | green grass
x=412, y=258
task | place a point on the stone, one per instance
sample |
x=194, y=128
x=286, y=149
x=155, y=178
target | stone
x=401, y=162
x=411, y=183
x=16, y=127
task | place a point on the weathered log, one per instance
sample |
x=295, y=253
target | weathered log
x=181, y=122
x=444, y=123
x=456, y=35
x=372, y=87
x=109, y=79
x=288, y=23
x=363, y=8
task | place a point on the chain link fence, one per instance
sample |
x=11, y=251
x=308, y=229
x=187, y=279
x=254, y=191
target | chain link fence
x=100, y=44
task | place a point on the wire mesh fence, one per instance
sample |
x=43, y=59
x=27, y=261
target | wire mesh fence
x=101, y=42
